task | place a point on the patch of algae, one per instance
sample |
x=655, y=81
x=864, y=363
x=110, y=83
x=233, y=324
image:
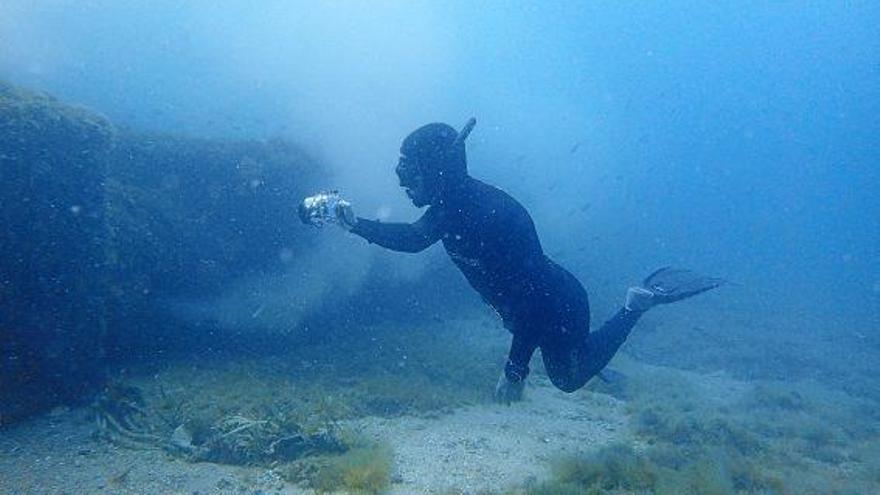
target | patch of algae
x=699, y=434
x=363, y=469
x=620, y=469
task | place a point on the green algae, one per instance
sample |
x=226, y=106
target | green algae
x=613, y=468
x=361, y=470
x=619, y=468
x=694, y=434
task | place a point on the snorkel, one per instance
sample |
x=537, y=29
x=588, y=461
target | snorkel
x=464, y=132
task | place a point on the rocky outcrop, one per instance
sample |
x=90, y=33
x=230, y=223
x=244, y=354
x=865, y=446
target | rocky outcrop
x=53, y=162
x=98, y=224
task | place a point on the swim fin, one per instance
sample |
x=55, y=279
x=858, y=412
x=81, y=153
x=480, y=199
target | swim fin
x=668, y=285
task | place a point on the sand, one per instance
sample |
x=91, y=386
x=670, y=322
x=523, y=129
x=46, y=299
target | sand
x=493, y=446
x=480, y=447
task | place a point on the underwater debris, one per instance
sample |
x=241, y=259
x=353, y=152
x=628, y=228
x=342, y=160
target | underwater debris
x=237, y=424
x=125, y=418
x=240, y=440
x=182, y=439
x=121, y=417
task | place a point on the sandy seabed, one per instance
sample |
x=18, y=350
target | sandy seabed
x=474, y=448
x=814, y=436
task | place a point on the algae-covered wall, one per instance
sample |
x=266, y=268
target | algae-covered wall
x=192, y=213
x=53, y=161
x=99, y=225
x=188, y=216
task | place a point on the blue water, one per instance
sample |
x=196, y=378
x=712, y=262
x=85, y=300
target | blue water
x=746, y=132
x=738, y=139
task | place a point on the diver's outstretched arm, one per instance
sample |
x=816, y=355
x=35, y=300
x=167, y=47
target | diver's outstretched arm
x=328, y=207
x=404, y=237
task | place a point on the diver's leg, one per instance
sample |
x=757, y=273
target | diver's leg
x=604, y=343
x=563, y=365
x=522, y=346
x=571, y=363
x=511, y=383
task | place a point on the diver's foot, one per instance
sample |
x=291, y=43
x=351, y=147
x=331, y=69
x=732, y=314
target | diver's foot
x=639, y=299
x=507, y=390
x=668, y=285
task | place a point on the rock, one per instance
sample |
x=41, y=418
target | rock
x=53, y=162
x=182, y=438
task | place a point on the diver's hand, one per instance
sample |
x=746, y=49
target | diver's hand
x=507, y=390
x=345, y=215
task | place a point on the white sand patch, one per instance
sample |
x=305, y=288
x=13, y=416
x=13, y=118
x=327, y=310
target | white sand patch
x=494, y=446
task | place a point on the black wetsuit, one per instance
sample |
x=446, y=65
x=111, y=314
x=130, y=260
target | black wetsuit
x=492, y=240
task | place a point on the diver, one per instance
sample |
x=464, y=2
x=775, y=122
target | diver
x=491, y=238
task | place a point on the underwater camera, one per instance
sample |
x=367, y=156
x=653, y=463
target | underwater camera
x=322, y=208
